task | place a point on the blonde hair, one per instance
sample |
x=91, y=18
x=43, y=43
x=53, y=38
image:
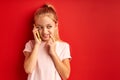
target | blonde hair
x=48, y=10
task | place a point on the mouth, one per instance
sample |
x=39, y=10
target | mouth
x=46, y=36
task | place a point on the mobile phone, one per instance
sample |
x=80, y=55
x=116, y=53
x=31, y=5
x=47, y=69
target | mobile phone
x=38, y=35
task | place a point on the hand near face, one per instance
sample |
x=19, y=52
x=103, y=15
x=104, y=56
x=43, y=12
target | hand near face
x=50, y=45
x=36, y=35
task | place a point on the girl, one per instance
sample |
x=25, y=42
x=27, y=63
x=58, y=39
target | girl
x=46, y=57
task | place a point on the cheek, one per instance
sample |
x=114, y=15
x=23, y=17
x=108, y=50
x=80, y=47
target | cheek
x=52, y=31
x=40, y=31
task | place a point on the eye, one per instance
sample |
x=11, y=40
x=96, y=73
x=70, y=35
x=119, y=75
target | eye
x=39, y=27
x=49, y=26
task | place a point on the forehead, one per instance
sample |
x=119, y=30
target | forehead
x=43, y=20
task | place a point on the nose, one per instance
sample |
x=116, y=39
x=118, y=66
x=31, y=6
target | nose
x=45, y=30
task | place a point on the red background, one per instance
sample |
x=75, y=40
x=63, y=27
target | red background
x=91, y=27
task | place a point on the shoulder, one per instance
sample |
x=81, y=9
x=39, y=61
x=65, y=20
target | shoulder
x=63, y=43
x=30, y=42
x=28, y=46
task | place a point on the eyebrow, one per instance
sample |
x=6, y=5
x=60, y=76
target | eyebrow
x=37, y=25
x=48, y=24
x=41, y=25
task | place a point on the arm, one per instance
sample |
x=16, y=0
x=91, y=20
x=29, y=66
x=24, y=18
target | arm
x=31, y=59
x=63, y=67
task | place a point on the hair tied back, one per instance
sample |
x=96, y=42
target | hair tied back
x=49, y=6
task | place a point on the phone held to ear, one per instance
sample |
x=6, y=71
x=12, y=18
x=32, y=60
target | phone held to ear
x=38, y=35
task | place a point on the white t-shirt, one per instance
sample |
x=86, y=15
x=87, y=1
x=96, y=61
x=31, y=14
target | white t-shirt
x=45, y=68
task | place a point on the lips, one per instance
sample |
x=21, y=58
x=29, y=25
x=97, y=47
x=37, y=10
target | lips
x=46, y=35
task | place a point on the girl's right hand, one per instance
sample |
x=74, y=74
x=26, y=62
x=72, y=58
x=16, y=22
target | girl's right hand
x=36, y=35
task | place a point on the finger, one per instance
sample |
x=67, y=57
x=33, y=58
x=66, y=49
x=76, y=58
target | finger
x=34, y=25
x=38, y=34
x=35, y=28
x=35, y=32
x=53, y=39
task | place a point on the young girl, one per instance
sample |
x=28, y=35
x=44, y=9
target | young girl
x=46, y=57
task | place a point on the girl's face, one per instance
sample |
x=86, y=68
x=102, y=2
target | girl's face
x=46, y=27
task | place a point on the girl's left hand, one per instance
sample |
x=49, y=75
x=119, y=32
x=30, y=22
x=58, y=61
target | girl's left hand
x=50, y=45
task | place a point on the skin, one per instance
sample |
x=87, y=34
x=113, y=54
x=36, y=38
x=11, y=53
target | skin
x=46, y=27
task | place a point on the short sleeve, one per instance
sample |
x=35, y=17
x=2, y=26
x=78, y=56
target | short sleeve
x=28, y=46
x=66, y=51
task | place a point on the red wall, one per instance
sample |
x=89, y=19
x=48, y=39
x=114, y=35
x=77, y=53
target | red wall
x=91, y=27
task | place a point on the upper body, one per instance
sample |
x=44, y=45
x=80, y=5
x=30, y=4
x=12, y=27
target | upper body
x=45, y=68
x=46, y=57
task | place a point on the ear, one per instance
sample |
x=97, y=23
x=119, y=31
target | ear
x=56, y=24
